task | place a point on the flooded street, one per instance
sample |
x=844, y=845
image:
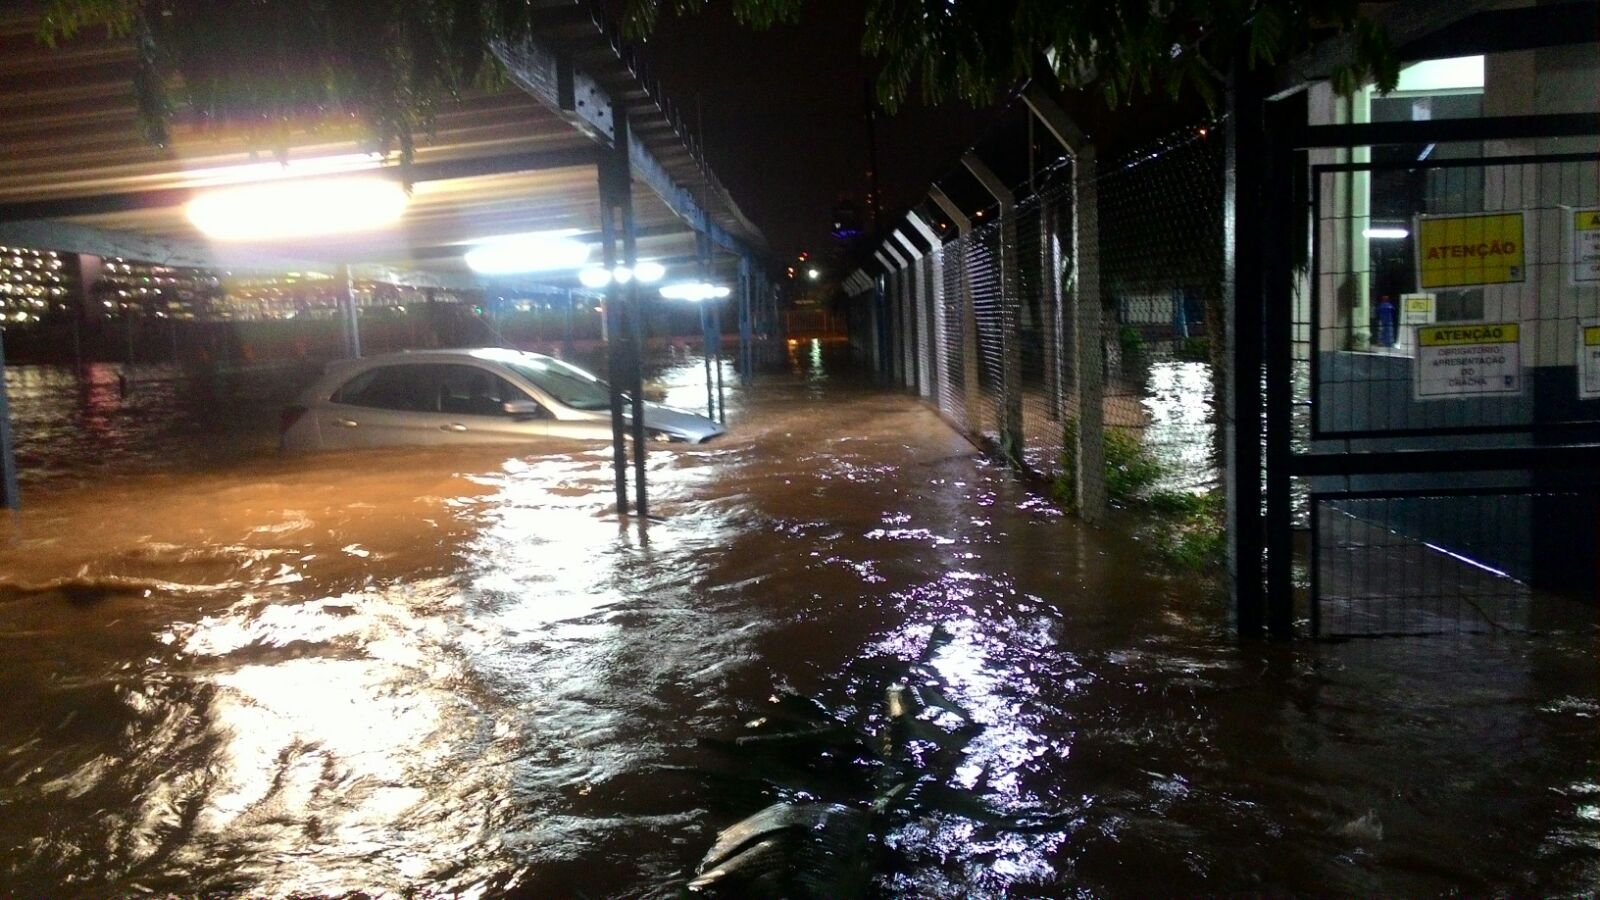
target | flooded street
x=454, y=673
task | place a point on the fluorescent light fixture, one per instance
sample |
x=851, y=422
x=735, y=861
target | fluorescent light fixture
x=596, y=277
x=1463, y=74
x=277, y=210
x=249, y=173
x=541, y=251
x=1385, y=234
x=649, y=272
x=694, y=291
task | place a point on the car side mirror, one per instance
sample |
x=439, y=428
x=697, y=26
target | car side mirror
x=523, y=409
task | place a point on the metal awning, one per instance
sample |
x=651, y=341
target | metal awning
x=80, y=177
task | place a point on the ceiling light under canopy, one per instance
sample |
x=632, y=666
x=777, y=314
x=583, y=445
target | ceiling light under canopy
x=285, y=209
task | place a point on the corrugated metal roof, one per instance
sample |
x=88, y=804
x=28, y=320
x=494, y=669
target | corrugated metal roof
x=74, y=151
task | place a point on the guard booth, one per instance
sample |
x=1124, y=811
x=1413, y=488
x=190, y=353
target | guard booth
x=1431, y=315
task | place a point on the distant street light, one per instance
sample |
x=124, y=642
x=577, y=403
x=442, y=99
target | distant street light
x=813, y=274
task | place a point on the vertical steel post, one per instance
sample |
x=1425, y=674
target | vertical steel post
x=10, y=497
x=708, y=345
x=566, y=327
x=746, y=362
x=613, y=334
x=634, y=307
x=1243, y=250
x=352, y=323
x=938, y=377
x=722, y=398
x=1080, y=327
x=1278, y=234
x=705, y=353
x=1050, y=276
x=1088, y=351
x=969, y=317
x=1010, y=309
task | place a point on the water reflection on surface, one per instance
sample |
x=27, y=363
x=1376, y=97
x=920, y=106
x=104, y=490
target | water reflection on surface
x=453, y=672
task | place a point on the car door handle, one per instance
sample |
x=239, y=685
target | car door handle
x=453, y=426
x=346, y=423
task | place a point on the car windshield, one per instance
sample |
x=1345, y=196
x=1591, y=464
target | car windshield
x=566, y=384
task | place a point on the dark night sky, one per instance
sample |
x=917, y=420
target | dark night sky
x=784, y=118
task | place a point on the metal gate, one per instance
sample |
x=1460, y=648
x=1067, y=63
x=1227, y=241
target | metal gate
x=1433, y=397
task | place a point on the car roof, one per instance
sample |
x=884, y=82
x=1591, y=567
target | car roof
x=487, y=354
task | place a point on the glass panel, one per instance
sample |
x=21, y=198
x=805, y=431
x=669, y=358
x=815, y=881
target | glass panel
x=406, y=388
x=566, y=384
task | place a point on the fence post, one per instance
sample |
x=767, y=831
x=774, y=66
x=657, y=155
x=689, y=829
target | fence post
x=1010, y=301
x=1088, y=339
x=1050, y=276
x=1086, y=370
x=969, y=315
x=1245, y=245
x=939, y=377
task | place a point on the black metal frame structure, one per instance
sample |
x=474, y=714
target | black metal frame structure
x=1282, y=203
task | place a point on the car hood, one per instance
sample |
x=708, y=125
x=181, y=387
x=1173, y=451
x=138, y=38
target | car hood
x=687, y=425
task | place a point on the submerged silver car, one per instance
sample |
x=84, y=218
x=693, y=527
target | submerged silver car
x=463, y=397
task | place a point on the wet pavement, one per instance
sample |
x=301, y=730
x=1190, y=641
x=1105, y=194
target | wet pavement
x=454, y=673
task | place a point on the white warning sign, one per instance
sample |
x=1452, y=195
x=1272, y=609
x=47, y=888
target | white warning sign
x=1468, y=359
x=1585, y=241
x=1589, y=361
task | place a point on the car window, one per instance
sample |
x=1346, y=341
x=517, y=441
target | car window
x=566, y=384
x=450, y=389
x=471, y=391
x=405, y=388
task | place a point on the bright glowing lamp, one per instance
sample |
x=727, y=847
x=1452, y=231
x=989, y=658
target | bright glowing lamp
x=647, y=272
x=694, y=291
x=290, y=208
x=813, y=274
x=1385, y=234
x=542, y=251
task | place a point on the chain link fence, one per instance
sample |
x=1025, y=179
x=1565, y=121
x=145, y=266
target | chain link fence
x=1099, y=292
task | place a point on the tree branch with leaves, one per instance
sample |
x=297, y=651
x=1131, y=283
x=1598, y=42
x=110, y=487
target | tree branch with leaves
x=380, y=68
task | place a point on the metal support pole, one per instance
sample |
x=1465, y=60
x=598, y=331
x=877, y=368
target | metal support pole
x=1088, y=351
x=1010, y=308
x=706, y=352
x=352, y=323
x=969, y=316
x=708, y=343
x=1079, y=328
x=746, y=283
x=1244, y=246
x=1050, y=277
x=10, y=497
x=566, y=327
x=1281, y=207
x=610, y=324
x=722, y=398
x=622, y=197
x=939, y=377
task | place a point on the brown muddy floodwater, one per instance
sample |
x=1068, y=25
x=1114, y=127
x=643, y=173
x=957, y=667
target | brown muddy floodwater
x=453, y=673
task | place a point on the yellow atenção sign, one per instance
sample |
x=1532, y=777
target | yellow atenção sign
x=1463, y=335
x=1458, y=251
